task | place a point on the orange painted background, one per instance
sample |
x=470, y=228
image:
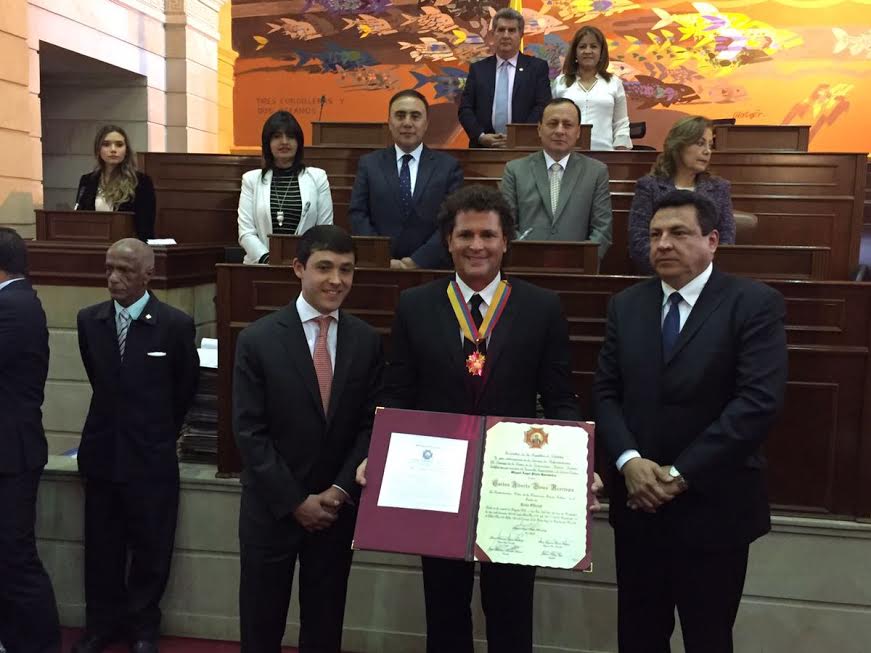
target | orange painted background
x=759, y=61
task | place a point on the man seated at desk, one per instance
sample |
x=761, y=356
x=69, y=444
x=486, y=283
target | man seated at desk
x=398, y=190
x=558, y=194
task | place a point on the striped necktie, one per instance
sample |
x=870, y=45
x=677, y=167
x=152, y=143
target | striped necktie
x=323, y=364
x=123, y=325
x=500, y=99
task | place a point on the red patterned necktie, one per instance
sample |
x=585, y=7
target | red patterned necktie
x=321, y=356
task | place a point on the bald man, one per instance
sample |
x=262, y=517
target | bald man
x=142, y=363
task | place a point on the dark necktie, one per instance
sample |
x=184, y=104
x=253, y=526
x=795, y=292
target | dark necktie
x=671, y=324
x=405, y=185
x=475, y=301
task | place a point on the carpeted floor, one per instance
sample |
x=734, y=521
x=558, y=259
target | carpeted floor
x=167, y=644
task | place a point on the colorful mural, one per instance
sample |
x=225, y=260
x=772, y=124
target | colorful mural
x=758, y=61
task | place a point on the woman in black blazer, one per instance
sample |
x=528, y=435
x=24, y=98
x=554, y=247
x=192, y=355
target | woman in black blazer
x=115, y=184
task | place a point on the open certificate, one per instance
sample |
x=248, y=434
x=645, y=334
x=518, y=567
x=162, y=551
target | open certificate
x=505, y=490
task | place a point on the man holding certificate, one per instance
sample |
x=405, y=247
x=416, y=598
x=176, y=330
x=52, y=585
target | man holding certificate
x=691, y=376
x=479, y=344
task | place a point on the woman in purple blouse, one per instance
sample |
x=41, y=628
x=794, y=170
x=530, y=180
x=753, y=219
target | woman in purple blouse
x=683, y=164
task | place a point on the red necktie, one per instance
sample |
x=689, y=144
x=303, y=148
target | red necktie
x=321, y=356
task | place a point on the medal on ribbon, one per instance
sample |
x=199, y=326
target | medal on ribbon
x=476, y=360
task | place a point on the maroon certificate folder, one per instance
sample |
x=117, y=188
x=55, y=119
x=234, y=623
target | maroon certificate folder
x=532, y=508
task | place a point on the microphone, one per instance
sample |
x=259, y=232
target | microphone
x=323, y=102
x=79, y=198
x=524, y=234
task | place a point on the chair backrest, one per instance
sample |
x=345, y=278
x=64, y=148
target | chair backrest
x=637, y=130
x=745, y=226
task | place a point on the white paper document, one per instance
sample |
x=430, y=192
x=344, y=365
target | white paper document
x=423, y=472
x=208, y=353
x=161, y=242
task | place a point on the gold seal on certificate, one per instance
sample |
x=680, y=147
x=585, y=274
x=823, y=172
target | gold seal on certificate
x=534, y=495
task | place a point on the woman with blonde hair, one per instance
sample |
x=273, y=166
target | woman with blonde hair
x=585, y=80
x=683, y=164
x=115, y=184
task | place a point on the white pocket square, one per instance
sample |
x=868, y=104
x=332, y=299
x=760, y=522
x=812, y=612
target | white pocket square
x=157, y=354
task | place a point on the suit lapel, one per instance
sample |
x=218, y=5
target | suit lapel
x=712, y=296
x=448, y=330
x=571, y=175
x=300, y=355
x=424, y=172
x=542, y=182
x=345, y=346
x=106, y=316
x=490, y=86
x=520, y=82
x=263, y=200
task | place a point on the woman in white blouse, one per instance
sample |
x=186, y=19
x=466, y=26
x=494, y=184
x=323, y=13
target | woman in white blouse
x=285, y=196
x=585, y=80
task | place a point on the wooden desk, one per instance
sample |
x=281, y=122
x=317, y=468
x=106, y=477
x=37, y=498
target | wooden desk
x=761, y=138
x=774, y=262
x=372, y=134
x=523, y=136
x=819, y=452
x=372, y=251
x=104, y=227
x=553, y=256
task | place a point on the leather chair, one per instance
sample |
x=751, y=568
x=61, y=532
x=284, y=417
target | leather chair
x=745, y=227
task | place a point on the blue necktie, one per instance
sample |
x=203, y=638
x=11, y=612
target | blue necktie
x=500, y=101
x=671, y=324
x=405, y=185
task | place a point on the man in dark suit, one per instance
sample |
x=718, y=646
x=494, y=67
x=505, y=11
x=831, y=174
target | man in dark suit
x=398, y=190
x=304, y=395
x=508, y=87
x=527, y=355
x=691, y=376
x=28, y=614
x=142, y=363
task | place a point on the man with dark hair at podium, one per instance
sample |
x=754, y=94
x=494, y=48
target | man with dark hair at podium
x=691, y=377
x=28, y=613
x=141, y=360
x=525, y=354
x=305, y=384
x=507, y=87
x=398, y=190
x=556, y=193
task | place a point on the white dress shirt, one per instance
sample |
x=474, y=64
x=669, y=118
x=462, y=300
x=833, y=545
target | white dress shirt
x=689, y=295
x=549, y=161
x=308, y=315
x=486, y=295
x=9, y=281
x=412, y=165
x=512, y=70
x=603, y=106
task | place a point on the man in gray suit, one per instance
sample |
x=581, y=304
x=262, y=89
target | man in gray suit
x=558, y=194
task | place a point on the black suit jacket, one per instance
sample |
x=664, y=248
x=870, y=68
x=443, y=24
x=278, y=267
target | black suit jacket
x=138, y=405
x=706, y=409
x=23, y=370
x=528, y=354
x=143, y=203
x=375, y=209
x=531, y=92
x=289, y=447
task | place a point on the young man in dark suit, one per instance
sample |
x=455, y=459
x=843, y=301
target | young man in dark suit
x=304, y=393
x=507, y=87
x=142, y=363
x=526, y=356
x=691, y=376
x=28, y=613
x=398, y=190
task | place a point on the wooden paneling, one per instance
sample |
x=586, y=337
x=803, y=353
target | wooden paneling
x=370, y=134
x=522, y=136
x=770, y=138
x=84, y=226
x=819, y=450
x=372, y=251
x=807, y=199
x=553, y=256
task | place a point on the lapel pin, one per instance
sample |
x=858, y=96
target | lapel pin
x=520, y=69
x=148, y=316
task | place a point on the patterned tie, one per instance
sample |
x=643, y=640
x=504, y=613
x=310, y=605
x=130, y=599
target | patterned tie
x=475, y=302
x=405, y=185
x=323, y=365
x=671, y=324
x=556, y=176
x=500, y=100
x=122, y=322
